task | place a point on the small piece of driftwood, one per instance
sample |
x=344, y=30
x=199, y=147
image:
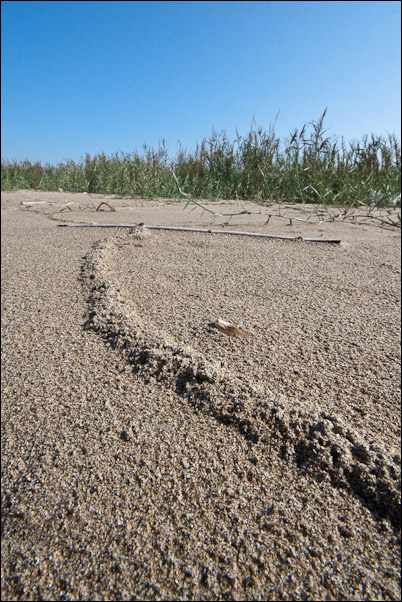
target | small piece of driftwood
x=180, y=229
x=37, y=203
x=229, y=329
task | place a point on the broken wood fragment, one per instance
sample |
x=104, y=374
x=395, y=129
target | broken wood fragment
x=229, y=329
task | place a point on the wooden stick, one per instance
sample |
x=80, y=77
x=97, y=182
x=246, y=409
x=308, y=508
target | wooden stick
x=180, y=229
x=37, y=202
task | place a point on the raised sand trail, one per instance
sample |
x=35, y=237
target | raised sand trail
x=148, y=456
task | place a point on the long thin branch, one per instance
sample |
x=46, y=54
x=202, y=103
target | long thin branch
x=180, y=229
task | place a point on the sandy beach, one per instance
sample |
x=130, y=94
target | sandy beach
x=148, y=456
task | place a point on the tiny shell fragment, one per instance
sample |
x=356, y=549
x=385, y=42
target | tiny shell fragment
x=229, y=329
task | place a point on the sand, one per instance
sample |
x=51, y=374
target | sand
x=147, y=456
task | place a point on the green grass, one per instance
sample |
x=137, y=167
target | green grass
x=308, y=167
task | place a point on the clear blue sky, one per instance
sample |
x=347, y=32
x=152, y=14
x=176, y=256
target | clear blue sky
x=83, y=77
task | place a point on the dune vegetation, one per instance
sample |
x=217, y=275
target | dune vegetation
x=307, y=167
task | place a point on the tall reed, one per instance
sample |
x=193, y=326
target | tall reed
x=308, y=167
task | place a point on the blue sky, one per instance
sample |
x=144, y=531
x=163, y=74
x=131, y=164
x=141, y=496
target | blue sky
x=83, y=77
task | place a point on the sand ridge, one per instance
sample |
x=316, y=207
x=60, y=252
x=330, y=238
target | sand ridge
x=165, y=334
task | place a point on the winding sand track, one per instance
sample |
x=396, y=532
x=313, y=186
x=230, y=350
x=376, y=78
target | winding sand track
x=145, y=455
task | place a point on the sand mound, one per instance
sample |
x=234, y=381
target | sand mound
x=304, y=382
